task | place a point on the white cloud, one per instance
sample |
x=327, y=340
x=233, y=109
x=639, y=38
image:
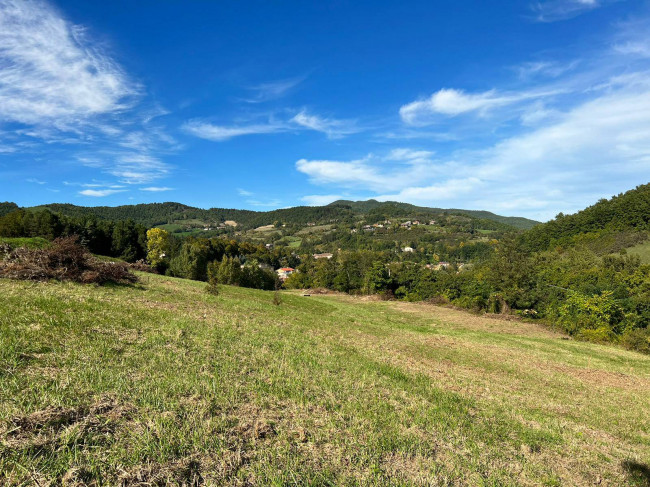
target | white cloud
x=554, y=10
x=274, y=89
x=99, y=193
x=548, y=69
x=220, y=133
x=301, y=121
x=67, y=90
x=373, y=172
x=156, y=189
x=50, y=72
x=243, y=192
x=332, y=128
x=451, y=102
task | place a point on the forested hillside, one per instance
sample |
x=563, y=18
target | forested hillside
x=7, y=207
x=393, y=208
x=154, y=214
x=629, y=211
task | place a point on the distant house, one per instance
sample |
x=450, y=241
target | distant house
x=408, y=249
x=432, y=222
x=325, y=255
x=416, y=222
x=285, y=272
x=269, y=246
x=406, y=224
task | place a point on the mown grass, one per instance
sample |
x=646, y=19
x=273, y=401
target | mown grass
x=160, y=383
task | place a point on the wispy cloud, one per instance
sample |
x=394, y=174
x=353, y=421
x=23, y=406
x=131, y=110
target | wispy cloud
x=374, y=172
x=100, y=193
x=50, y=73
x=333, y=128
x=243, y=192
x=156, y=189
x=451, y=102
x=555, y=10
x=273, y=90
x=219, y=133
x=61, y=89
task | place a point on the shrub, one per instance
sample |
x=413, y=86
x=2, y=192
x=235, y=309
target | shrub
x=599, y=313
x=638, y=340
x=213, y=278
x=65, y=260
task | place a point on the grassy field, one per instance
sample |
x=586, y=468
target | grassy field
x=162, y=384
x=28, y=242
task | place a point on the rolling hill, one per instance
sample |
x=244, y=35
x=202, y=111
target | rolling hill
x=160, y=383
x=154, y=214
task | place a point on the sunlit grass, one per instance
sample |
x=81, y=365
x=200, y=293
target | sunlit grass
x=163, y=383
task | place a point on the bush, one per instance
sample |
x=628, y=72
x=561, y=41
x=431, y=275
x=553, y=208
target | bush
x=65, y=260
x=637, y=340
x=213, y=278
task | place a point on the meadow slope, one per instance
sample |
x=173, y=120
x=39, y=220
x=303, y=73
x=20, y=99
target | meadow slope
x=160, y=383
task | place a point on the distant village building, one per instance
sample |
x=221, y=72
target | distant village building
x=408, y=249
x=285, y=272
x=325, y=255
x=269, y=246
x=406, y=224
x=432, y=222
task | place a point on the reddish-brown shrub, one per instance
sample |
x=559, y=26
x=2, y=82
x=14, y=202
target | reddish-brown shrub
x=65, y=260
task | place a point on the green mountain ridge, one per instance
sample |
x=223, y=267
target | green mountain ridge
x=152, y=214
x=374, y=206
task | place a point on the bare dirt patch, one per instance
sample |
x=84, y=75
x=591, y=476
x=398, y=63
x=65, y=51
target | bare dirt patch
x=53, y=425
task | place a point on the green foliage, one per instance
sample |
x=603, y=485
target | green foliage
x=630, y=210
x=124, y=239
x=637, y=339
x=158, y=246
x=191, y=262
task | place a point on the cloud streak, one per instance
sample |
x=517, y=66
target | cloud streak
x=303, y=120
x=49, y=73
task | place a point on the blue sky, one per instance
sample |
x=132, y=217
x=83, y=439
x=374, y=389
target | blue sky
x=521, y=108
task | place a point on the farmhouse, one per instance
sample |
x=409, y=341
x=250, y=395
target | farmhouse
x=285, y=272
x=408, y=249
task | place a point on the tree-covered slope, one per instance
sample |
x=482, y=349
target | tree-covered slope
x=396, y=209
x=161, y=213
x=621, y=214
x=7, y=207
